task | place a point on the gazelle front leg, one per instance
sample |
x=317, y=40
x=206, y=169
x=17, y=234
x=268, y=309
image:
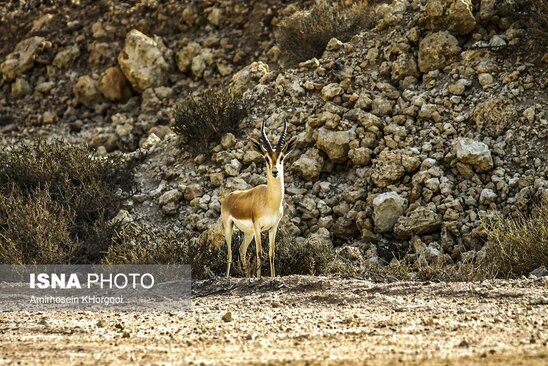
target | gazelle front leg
x=243, y=252
x=228, y=237
x=272, y=249
x=259, y=248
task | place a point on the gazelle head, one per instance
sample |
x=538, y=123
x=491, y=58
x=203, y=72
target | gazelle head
x=274, y=157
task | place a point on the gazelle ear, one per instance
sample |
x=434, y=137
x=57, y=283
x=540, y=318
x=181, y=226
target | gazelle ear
x=290, y=146
x=257, y=146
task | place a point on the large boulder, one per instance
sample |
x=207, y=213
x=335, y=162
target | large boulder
x=387, y=208
x=335, y=143
x=454, y=16
x=247, y=78
x=437, y=50
x=114, y=86
x=309, y=164
x=21, y=59
x=142, y=62
x=421, y=220
x=474, y=153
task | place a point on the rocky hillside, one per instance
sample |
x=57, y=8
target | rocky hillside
x=409, y=134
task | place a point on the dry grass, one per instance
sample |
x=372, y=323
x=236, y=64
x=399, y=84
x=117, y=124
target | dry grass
x=204, y=119
x=305, y=34
x=516, y=246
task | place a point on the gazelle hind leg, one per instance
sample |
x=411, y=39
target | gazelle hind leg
x=259, y=249
x=243, y=251
x=272, y=249
x=228, y=237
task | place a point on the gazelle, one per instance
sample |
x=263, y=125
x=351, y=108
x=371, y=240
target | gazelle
x=261, y=208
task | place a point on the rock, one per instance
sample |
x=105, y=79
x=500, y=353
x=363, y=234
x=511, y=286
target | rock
x=227, y=317
x=474, y=153
x=186, y=55
x=216, y=179
x=381, y=107
x=388, y=168
x=20, y=88
x=86, y=91
x=48, y=118
x=437, y=50
x=387, y=208
x=22, y=58
x=192, y=191
x=173, y=195
x=334, y=45
x=485, y=79
x=233, y=168
x=335, y=143
x=420, y=221
x=309, y=165
x=151, y=141
x=228, y=140
x=114, y=86
x=330, y=91
x=247, y=78
x=215, y=17
x=487, y=196
x=541, y=271
x=66, y=56
x=359, y=156
x=142, y=62
x=122, y=217
x=458, y=87
x=454, y=16
x=200, y=62
x=404, y=66
x=529, y=113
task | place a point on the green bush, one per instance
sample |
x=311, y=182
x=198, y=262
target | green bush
x=57, y=191
x=305, y=34
x=205, y=118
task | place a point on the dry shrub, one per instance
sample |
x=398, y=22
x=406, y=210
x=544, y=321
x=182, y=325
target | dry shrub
x=305, y=34
x=308, y=256
x=205, y=118
x=516, y=246
x=143, y=244
x=34, y=229
x=57, y=191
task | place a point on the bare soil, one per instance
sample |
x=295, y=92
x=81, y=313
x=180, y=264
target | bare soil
x=300, y=320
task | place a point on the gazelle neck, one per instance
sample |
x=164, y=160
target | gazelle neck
x=275, y=187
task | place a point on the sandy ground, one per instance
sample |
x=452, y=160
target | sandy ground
x=300, y=320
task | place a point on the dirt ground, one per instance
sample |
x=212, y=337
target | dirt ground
x=300, y=320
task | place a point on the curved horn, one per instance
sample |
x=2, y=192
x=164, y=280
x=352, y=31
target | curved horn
x=265, y=138
x=281, y=141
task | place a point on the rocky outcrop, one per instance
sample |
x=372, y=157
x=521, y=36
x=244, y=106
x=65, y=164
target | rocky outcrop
x=142, y=62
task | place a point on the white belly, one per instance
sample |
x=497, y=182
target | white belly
x=265, y=223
